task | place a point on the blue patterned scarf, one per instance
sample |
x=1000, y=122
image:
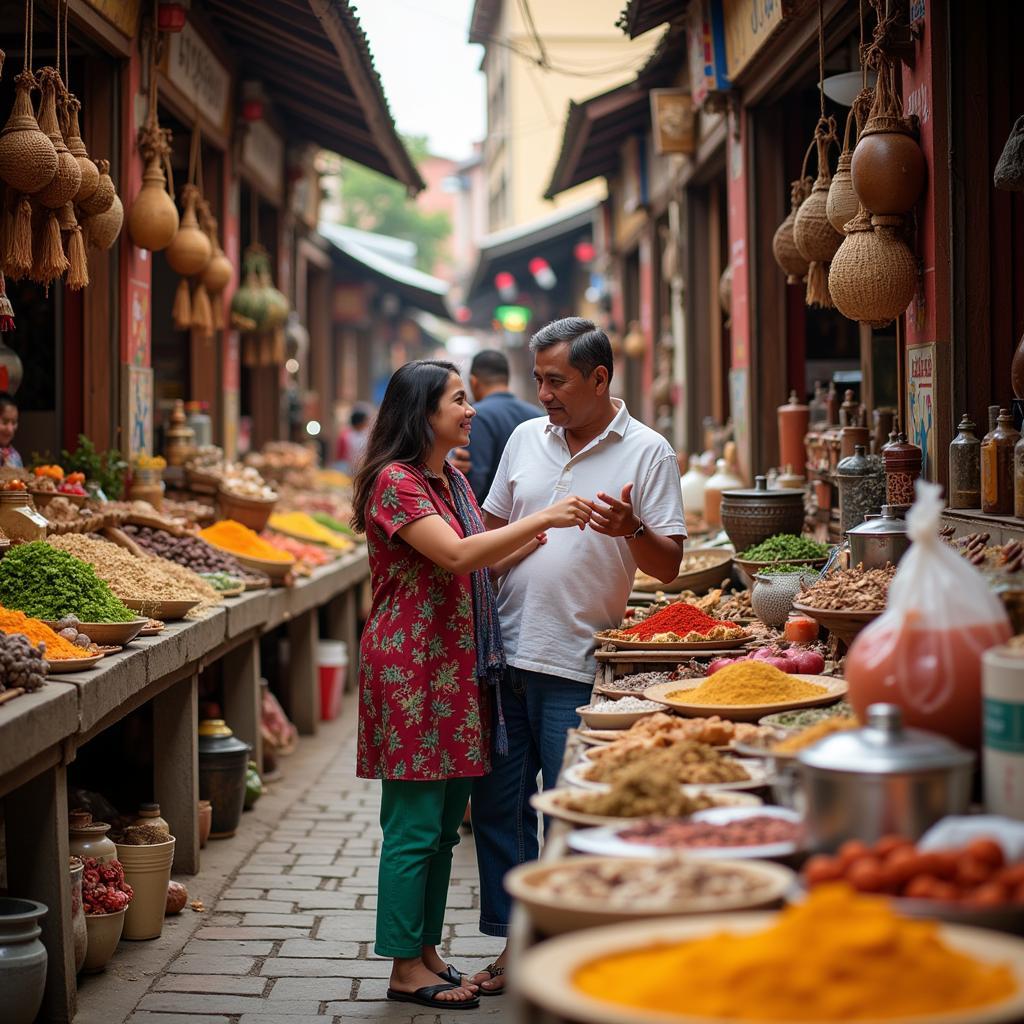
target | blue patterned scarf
x=490, y=651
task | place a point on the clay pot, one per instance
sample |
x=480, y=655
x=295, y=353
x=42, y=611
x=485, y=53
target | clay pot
x=153, y=217
x=88, y=838
x=888, y=167
x=76, y=147
x=68, y=177
x=104, y=934
x=793, y=418
x=103, y=198
x=873, y=277
x=28, y=160
x=22, y=959
x=104, y=228
x=204, y=813
x=842, y=202
x=787, y=255
x=190, y=249
x=752, y=515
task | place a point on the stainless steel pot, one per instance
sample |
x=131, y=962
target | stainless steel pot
x=878, y=540
x=880, y=780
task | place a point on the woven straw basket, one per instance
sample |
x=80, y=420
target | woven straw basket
x=67, y=180
x=842, y=202
x=873, y=276
x=787, y=255
x=28, y=160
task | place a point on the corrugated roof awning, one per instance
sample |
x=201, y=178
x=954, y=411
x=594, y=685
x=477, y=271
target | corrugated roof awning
x=316, y=63
x=417, y=288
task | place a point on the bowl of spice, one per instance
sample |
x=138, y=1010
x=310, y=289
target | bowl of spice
x=571, y=893
x=798, y=964
x=678, y=626
x=846, y=600
x=251, y=550
x=746, y=691
x=617, y=714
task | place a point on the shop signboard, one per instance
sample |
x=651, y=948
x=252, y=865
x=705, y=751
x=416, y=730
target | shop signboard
x=705, y=48
x=672, y=121
x=122, y=14
x=263, y=159
x=921, y=396
x=749, y=24
x=195, y=71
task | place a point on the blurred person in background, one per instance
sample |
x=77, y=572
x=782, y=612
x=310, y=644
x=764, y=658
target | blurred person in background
x=498, y=413
x=353, y=439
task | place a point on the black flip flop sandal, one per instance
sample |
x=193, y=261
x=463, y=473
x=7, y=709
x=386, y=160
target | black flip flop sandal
x=495, y=972
x=427, y=996
x=451, y=975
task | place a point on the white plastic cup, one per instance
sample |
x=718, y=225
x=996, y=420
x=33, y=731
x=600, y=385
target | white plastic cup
x=1002, y=694
x=332, y=666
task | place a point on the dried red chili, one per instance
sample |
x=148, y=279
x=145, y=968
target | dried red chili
x=680, y=618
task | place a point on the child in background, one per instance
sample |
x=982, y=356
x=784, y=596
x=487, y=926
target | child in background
x=9, y=455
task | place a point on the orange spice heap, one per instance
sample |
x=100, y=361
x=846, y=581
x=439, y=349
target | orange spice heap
x=38, y=632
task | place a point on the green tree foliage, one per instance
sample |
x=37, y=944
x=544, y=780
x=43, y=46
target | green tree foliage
x=373, y=202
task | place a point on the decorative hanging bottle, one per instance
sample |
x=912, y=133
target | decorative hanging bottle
x=842, y=204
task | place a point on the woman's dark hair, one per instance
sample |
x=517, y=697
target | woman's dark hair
x=401, y=432
x=7, y=399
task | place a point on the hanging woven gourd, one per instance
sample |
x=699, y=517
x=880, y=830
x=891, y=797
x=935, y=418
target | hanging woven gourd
x=28, y=160
x=888, y=165
x=102, y=229
x=277, y=303
x=76, y=147
x=842, y=202
x=219, y=271
x=787, y=255
x=153, y=217
x=103, y=198
x=68, y=178
x=815, y=237
x=190, y=250
x=873, y=276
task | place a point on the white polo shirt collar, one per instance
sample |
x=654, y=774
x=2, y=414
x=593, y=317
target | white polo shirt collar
x=617, y=426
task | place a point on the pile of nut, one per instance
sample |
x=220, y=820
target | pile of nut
x=22, y=666
x=246, y=482
x=857, y=589
x=68, y=628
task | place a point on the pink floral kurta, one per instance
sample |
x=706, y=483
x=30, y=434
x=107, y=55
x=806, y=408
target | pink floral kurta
x=422, y=711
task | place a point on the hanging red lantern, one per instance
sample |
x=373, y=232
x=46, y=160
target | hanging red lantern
x=542, y=273
x=584, y=252
x=506, y=285
x=171, y=15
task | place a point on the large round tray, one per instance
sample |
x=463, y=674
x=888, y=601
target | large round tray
x=60, y=665
x=736, y=644
x=834, y=689
x=275, y=570
x=845, y=623
x=759, y=777
x=166, y=611
x=699, y=580
x=545, y=973
x=557, y=914
x=115, y=634
x=547, y=803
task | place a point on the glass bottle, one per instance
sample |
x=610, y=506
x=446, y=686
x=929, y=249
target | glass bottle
x=997, y=467
x=832, y=405
x=1018, y=479
x=819, y=406
x=965, y=466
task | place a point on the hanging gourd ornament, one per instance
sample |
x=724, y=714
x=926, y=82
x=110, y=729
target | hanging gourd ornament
x=842, y=205
x=787, y=255
x=873, y=276
x=28, y=160
x=103, y=198
x=815, y=237
x=68, y=178
x=76, y=147
x=248, y=304
x=153, y=217
x=190, y=250
x=277, y=302
x=103, y=228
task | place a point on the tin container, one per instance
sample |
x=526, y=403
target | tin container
x=879, y=540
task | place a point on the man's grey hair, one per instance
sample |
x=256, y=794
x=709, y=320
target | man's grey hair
x=589, y=346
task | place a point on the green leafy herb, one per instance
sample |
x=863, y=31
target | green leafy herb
x=105, y=469
x=785, y=547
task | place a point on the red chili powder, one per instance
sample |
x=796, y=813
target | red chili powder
x=678, y=618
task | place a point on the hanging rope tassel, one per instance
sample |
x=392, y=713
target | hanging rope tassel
x=78, y=260
x=50, y=263
x=19, y=252
x=182, y=310
x=202, y=311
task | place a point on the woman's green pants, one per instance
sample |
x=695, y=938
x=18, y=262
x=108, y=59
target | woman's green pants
x=421, y=822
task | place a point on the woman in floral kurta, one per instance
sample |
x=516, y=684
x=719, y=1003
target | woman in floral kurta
x=429, y=649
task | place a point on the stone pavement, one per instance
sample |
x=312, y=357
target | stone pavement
x=288, y=931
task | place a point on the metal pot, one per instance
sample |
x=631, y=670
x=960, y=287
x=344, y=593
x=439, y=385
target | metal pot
x=880, y=780
x=751, y=516
x=879, y=540
x=223, y=759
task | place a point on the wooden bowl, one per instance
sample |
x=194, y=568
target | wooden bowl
x=275, y=570
x=845, y=623
x=832, y=689
x=612, y=719
x=699, y=581
x=166, y=611
x=251, y=512
x=556, y=914
x=114, y=634
x=545, y=974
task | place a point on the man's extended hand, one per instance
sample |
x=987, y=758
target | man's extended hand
x=615, y=518
x=459, y=458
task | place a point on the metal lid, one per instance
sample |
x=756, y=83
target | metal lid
x=214, y=727
x=887, y=524
x=761, y=492
x=883, y=747
x=856, y=464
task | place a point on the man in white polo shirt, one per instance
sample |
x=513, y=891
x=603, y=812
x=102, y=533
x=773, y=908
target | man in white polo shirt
x=577, y=583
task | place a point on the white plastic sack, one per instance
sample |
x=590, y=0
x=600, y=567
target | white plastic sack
x=924, y=652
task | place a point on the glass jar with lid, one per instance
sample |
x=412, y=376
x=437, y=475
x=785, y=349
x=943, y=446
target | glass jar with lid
x=965, y=466
x=997, y=458
x=861, y=481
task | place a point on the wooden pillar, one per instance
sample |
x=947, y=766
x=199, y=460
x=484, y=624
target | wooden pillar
x=37, y=869
x=242, y=698
x=303, y=698
x=176, y=767
x=343, y=624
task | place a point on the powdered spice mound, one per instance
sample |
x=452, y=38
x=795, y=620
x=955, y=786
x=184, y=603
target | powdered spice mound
x=680, y=618
x=749, y=682
x=57, y=648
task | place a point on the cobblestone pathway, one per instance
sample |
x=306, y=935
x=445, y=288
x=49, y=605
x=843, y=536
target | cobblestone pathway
x=290, y=937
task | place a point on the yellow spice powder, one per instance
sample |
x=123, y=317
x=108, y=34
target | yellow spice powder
x=748, y=682
x=837, y=956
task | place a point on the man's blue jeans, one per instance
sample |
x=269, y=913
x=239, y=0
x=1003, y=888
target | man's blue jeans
x=539, y=712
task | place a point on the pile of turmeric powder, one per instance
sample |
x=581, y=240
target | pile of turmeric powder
x=838, y=955
x=748, y=682
x=38, y=632
x=229, y=535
